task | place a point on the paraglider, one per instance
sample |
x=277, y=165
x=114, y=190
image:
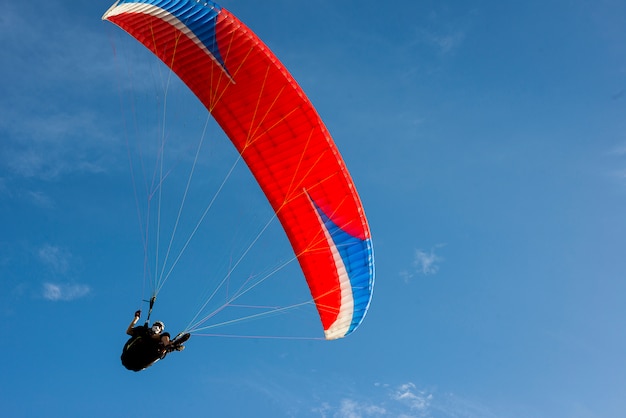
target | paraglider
x=148, y=345
x=280, y=136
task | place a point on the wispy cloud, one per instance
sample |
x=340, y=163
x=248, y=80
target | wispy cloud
x=353, y=409
x=444, y=43
x=425, y=262
x=336, y=397
x=350, y=408
x=51, y=144
x=444, y=32
x=617, y=169
x=405, y=400
x=56, y=258
x=37, y=198
x=45, y=134
x=40, y=199
x=618, y=151
x=59, y=261
x=409, y=395
x=64, y=292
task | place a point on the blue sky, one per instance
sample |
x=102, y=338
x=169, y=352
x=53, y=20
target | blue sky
x=486, y=140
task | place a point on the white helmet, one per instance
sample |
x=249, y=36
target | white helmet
x=158, y=324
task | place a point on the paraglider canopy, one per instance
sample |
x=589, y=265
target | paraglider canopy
x=279, y=135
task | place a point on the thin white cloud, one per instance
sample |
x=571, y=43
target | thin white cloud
x=45, y=135
x=405, y=400
x=416, y=400
x=352, y=409
x=51, y=144
x=444, y=33
x=40, y=199
x=59, y=262
x=424, y=263
x=617, y=154
x=56, y=258
x=444, y=43
x=619, y=150
x=64, y=292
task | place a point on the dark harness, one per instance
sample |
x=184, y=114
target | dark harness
x=141, y=350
